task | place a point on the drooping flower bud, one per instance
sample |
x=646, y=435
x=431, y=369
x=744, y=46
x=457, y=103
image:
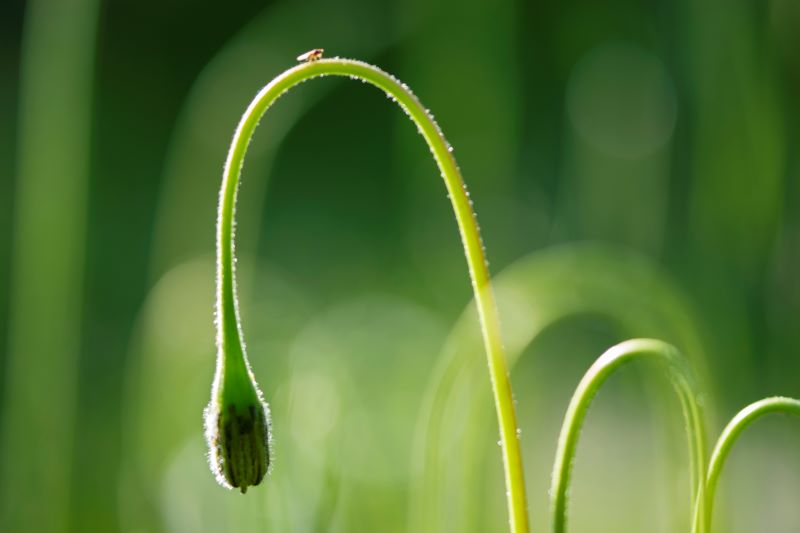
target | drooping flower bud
x=237, y=428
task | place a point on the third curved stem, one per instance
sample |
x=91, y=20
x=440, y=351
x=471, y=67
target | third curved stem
x=731, y=434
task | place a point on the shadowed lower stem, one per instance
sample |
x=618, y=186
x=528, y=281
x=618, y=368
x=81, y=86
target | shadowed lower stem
x=232, y=353
x=682, y=381
x=730, y=435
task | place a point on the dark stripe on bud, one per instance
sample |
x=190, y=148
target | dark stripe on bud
x=238, y=440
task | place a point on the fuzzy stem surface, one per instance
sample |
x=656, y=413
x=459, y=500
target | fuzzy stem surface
x=229, y=333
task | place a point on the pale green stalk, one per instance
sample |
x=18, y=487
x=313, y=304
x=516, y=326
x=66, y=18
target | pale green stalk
x=228, y=321
x=731, y=434
x=682, y=381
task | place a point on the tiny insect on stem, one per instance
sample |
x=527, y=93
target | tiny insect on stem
x=229, y=330
x=311, y=55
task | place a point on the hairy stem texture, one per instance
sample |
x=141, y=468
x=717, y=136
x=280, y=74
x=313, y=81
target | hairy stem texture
x=682, y=381
x=228, y=323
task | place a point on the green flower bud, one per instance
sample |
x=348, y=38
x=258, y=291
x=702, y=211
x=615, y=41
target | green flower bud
x=237, y=424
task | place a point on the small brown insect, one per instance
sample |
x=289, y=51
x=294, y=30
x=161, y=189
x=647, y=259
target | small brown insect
x=311, y=55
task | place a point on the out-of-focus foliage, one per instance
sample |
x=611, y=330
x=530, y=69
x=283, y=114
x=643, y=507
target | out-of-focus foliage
x=635, y=170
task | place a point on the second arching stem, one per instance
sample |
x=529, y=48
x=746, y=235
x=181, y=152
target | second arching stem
x=682, y=381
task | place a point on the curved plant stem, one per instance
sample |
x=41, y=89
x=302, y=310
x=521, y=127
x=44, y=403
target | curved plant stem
x=731, y=433
x=682, y=381
x=228, y=322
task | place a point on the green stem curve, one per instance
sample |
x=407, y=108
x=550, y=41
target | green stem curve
x=229, y=332
x=682, y=381
x=731, y=434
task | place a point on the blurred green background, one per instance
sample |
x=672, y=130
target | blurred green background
x=636, y=172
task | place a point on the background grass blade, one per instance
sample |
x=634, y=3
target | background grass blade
x=48, y=269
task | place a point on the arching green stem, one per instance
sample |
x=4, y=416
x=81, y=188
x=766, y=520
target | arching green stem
x=228, y=322
x=731, y=433
x=682, y=381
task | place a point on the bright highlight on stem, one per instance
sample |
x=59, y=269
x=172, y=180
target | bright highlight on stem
x=231, y=354
x=731, y=434
x=682, y=381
